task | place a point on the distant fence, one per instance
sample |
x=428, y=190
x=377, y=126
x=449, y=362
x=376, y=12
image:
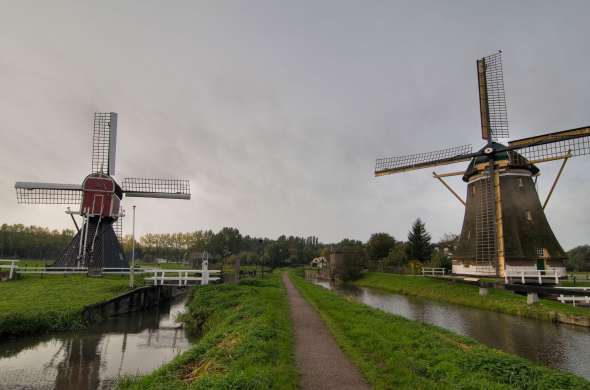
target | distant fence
x=573, y=299
x=433, y=271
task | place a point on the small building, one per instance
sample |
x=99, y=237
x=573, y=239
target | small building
x=319, y=262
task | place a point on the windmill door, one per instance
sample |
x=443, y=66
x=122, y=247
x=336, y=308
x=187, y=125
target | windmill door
x=98, y=204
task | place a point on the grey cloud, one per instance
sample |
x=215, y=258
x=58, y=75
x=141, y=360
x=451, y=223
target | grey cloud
x=276, y=111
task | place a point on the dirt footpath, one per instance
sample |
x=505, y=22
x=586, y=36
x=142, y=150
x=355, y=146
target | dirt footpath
x=321, y=363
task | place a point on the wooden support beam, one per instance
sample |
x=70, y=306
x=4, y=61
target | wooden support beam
x=542, y=160
x=439, y=177
x=499, y=225
x=569, y=153
x=458, y=173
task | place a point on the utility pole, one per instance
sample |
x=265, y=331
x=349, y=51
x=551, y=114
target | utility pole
x=131, y=274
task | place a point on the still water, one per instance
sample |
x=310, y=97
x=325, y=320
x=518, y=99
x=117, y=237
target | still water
x=562, y=346
x=94, y=358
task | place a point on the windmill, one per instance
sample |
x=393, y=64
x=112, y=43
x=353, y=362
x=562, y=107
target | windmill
x=99, y=197
x=504, y=227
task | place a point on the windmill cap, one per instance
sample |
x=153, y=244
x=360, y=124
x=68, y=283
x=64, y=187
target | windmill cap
x=516, y=160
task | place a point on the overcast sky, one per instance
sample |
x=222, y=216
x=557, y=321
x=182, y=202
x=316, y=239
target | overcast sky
x=276, y=110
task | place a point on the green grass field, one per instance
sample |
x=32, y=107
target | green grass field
x=33, y=304
x=395, y=353
x=442, y=290
x=246, y=341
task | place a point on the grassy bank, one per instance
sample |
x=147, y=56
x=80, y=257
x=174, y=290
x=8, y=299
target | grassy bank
x=33, y=304
x=441, y=290
x=393, y=352
x=246, y=343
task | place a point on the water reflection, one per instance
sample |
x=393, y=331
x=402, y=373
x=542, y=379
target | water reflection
x=94, y=358
x=556, y=345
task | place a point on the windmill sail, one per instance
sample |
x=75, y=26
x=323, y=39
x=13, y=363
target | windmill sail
x=104, y=142
x=552, y=146
x=157, y=188
x=47, y=193
x=391, y=165
x=492, y=98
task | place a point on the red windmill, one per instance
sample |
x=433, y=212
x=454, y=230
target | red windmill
x=96, y=245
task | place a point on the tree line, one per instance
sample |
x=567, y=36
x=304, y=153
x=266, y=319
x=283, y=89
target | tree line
x=380, y=252
x=33, y=242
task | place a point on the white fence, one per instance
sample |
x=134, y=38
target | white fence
x=182, y=277
x=159, y=277
x=537, y=275
x=12, y=267
x=573, y=299
x=433, y=271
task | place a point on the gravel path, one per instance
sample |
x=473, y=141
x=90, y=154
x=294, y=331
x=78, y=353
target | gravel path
x=321, y=363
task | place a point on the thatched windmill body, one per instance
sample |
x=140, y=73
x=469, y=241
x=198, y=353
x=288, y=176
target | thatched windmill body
x=96, y=244
x=504, y=227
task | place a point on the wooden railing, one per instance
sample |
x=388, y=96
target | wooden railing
x=538, y=275
x=176, y=277
x=433, y=271
x=573, y=299
x=182, y=277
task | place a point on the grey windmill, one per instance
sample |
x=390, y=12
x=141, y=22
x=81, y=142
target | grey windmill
x=504, y=225
x=99, y=197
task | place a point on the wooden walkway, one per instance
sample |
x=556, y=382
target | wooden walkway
x=321, y=363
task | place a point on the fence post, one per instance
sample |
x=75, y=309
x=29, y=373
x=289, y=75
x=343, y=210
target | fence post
x=540, y=279
x=556, y=278
x=522, y=276
x=205, y=272
x=12, y=267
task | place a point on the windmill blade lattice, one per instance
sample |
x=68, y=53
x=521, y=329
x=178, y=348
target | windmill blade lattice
x=104, y=142
x=156, y=188
x=575, y=142
x=492, y=97
x=390, y=165
x=485, y=226
x=48, y=193
x=118, y=224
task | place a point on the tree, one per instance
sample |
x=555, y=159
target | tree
x=350, y=266
x=379, y=245
x=226, y=242
x=419, y=242
x=398, y=256
x=439, y=259
x=579, y=258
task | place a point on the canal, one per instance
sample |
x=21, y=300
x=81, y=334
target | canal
x=96, y=357
x=561, y=346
